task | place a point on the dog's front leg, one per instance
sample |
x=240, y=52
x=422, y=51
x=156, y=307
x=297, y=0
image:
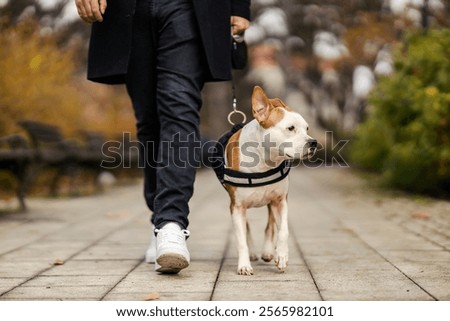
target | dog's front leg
x=251, y=245
x=240, y=229
x=280, y=211
x=269, y=239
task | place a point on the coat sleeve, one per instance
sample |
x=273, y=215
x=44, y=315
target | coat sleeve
x=240, y=8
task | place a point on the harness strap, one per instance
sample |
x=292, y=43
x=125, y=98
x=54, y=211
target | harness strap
x=240, y=179
x=218, y=161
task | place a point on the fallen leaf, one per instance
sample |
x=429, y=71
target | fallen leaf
x=152, y=296
x=421, y=215
x=58, y=262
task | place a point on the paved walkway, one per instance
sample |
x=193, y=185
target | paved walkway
x=348, y=242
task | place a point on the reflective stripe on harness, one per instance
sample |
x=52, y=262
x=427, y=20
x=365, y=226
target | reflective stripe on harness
x=241, y=179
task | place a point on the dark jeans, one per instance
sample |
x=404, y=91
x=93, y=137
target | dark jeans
x=164, y=81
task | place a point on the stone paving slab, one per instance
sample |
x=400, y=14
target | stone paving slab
x=199, y=280
x=348, y=241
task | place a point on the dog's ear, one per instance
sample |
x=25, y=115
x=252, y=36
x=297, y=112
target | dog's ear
x=261, y=105
x=277, y=102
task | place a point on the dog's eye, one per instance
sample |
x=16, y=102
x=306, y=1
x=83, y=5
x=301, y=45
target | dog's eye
x=291, y=128
x=307, y=128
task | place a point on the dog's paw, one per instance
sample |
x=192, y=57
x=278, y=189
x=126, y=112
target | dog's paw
x=281, y=262
x=245, y=270
x=267, y=257
x=253, y=257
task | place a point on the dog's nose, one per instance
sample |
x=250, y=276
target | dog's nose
x=312, y=143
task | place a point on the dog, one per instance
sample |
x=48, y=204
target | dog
x=276, y=134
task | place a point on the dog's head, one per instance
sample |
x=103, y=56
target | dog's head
x=285, y=131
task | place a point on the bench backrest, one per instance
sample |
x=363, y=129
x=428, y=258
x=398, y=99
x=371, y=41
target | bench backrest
x=41, y=133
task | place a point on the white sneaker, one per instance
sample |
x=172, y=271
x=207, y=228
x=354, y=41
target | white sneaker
x=150, y=255
x=172, y=254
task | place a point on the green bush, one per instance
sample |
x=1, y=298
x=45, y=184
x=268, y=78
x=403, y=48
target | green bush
x=406, y=136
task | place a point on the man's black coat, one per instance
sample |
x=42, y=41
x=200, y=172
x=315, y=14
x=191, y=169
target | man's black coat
x=110, y=43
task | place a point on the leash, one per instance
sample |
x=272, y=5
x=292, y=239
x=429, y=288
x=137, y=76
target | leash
x=234, y=105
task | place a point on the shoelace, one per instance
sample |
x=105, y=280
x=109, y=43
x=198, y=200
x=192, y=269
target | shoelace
x=171, y=237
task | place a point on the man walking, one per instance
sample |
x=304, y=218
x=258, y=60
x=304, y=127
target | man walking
x=164, y=51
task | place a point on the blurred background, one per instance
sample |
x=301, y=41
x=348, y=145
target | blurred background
x=376, y=73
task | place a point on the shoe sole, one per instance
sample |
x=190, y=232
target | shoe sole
x=171, y=263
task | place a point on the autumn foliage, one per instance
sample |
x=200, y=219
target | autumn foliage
x=406, y=137
x=41, y=81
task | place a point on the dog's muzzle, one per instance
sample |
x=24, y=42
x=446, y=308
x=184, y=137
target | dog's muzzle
x=311, y=147
x=312, y=143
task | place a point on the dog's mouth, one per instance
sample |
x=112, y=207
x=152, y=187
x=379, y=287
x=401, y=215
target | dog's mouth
x=306, y=155
x=309, y=153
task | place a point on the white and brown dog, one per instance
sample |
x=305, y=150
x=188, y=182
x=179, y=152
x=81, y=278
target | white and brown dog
x=277, y=134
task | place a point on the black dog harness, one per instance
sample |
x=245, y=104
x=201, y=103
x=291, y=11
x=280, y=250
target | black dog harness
x=235, y=178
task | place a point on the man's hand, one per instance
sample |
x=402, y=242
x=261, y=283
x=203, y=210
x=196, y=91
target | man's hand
x=91, y=10
x=239, y=25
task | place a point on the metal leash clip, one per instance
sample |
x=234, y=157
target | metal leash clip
x=235, y=111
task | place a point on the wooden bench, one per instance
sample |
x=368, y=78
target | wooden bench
x=69, y=156
x=15, y=157
x=53, y=150
x=48, y=148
